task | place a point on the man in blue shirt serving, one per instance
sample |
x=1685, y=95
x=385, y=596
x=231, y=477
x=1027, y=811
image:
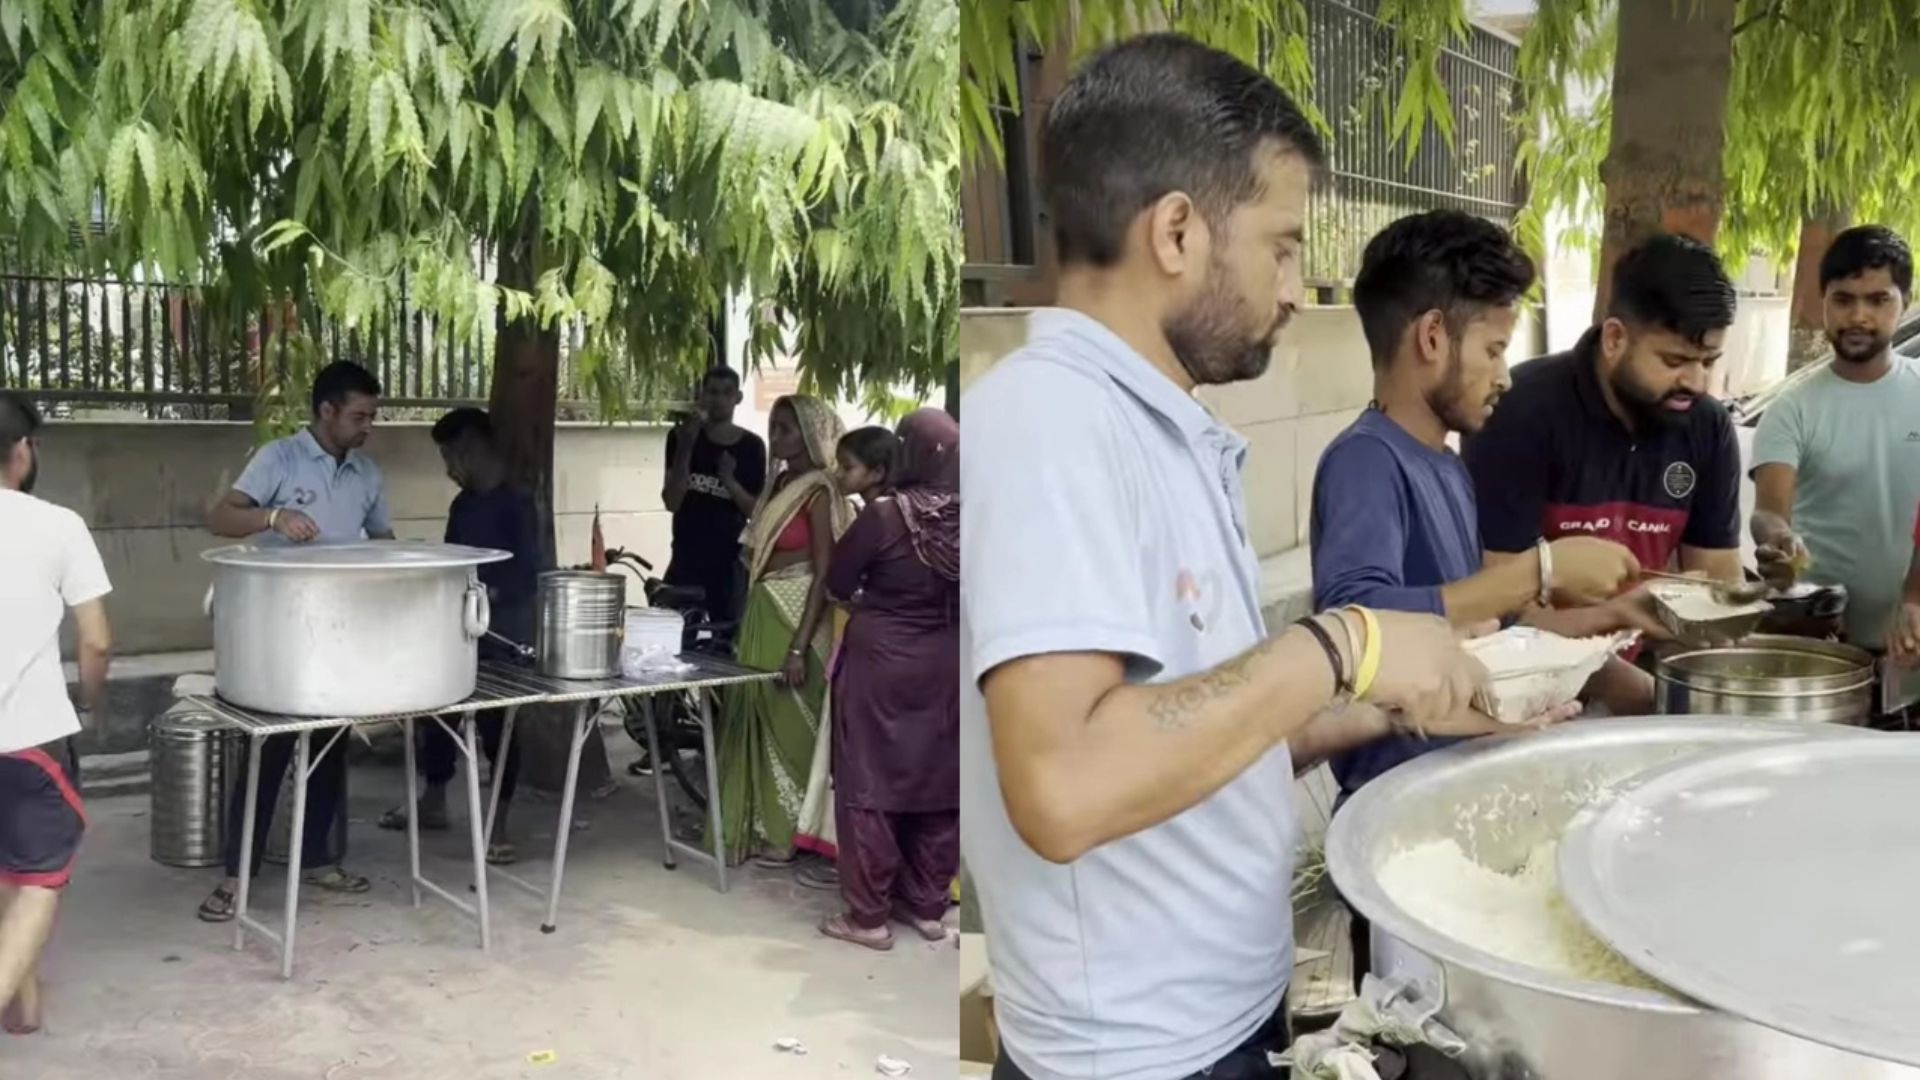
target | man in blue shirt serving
x=315, y=485
x=488, y=512
x=1395, y=522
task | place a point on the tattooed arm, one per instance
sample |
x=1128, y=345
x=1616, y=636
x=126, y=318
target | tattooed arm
x=1086, y=758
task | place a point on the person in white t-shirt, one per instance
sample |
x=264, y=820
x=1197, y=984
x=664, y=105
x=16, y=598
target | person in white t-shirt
x=52, y=566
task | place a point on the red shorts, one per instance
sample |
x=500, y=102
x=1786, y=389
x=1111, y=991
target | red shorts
x=41, y=820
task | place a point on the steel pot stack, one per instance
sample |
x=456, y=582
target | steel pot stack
x=347, y=630
x=197, y=758
x=1500, y=798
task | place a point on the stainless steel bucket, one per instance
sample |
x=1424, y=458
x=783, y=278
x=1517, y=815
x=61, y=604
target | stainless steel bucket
x=579, y=626
x=196, y=760
x=1769, y=677
x=1499, y=797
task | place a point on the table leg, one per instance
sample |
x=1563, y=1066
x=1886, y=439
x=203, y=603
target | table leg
x=715, y=826
x=252, y=780
x=660, y=775
x=500, y=768
x=475, y=827
x=296, y=834
x=582, y=717
x=412, y=811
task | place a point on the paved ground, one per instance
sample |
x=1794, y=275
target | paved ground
x=652, y=974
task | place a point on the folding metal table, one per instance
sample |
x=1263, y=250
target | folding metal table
x=700, y=677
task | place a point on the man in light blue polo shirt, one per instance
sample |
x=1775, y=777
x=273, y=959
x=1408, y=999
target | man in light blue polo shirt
x=1128, y=727
x=316, y=485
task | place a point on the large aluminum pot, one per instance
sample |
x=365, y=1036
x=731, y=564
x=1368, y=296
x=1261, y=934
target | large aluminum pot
x=580, y=624
x=1780, y=678
x=1499, y=798
x=347, y=629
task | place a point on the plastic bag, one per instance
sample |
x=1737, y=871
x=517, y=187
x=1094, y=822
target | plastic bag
x=1384, y=1012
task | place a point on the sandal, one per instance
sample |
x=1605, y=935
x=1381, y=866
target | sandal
x=928, y=929
x=502, y=853
x=841, y=928
x=334, y=879
x=218, y=907
x=395, y=820
x=820, y=875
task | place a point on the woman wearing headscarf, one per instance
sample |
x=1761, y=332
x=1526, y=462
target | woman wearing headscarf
x=769, y=728
x=896, y=694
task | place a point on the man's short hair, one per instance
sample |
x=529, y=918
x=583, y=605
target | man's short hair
x=721, y=373
x=339, y=381
x=1675, y=283
x=461, y=424
x=1868, y=247
x=874, y=447
x=18, y=420
x=1443, y=260
x=1153, y=115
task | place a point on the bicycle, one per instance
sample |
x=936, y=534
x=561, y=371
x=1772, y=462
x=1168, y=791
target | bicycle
x=681, y=743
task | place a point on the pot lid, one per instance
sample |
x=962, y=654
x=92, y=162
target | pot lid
x=1775, y=883
x=355, y=555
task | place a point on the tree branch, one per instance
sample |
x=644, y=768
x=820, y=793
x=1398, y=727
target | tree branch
x=1772, y=12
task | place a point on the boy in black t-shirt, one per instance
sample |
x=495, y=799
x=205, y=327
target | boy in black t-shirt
x=489, y=512
x=715, y=471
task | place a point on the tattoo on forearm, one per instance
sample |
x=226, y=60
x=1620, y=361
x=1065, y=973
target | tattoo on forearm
x=1178, y=703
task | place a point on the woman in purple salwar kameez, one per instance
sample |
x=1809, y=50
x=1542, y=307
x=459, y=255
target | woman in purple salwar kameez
x=896, y=694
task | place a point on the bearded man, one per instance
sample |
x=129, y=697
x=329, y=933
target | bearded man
x=1395, y=525
x=1837, y=459
x=1620, y=439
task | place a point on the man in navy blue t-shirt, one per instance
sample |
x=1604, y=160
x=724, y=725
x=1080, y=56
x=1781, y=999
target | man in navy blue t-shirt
x=1395, y=523
x=489, y=512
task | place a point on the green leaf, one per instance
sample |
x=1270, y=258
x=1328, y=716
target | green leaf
x=379, y=117
x=504, y=134
x=539, y=93
x=149, y=153
x=279, y=235
x=456, y=140
x=590, y=90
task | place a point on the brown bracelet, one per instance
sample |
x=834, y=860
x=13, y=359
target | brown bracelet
x=1342, y=684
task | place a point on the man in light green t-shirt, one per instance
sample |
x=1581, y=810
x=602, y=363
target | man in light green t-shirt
x=1836, y=462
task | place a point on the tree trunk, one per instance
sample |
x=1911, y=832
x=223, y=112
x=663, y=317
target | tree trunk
x=1662, y=174
x=1807, y=341
x=526, y=380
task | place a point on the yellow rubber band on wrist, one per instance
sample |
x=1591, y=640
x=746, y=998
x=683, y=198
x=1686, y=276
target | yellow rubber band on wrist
x=1369, y=654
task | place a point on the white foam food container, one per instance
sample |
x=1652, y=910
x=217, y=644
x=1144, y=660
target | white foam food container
x=1534, y=671
x=652, y=640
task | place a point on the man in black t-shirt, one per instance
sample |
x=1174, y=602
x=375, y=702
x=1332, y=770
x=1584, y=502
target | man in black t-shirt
x=488, y=512
x=715, y=471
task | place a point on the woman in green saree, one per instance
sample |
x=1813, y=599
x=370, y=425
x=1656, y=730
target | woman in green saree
x=769, y=730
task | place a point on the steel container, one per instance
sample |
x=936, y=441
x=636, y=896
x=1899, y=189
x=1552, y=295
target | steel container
x=347, y=630
x=579, y=628
x=1499, y=797
x=196, y=759
x=1769, y=677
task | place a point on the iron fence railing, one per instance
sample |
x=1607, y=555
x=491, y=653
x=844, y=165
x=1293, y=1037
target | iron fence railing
x=1359, y=67
x=163, y=350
